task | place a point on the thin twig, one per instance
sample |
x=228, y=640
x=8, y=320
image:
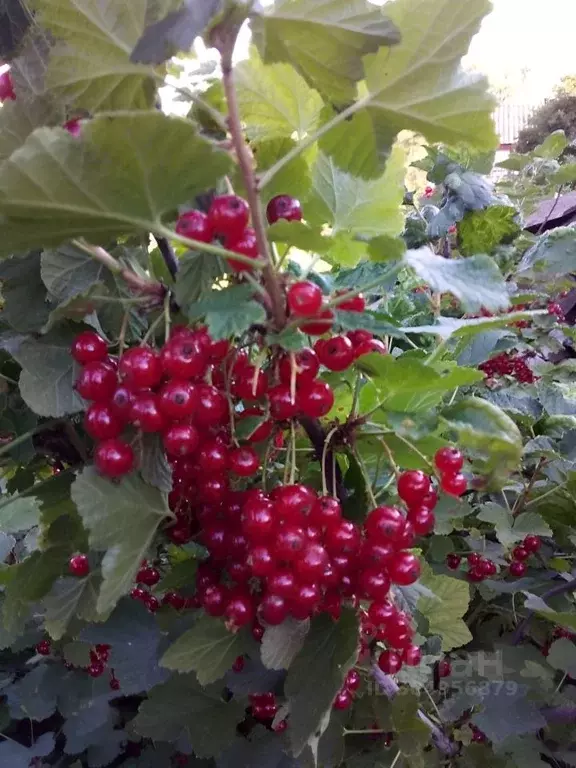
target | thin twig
x=523, y=497
x=134, y=281
x=167, y=254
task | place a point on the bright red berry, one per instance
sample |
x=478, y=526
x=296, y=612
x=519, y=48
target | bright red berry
x=444, y=668
x=404, y=568
x=412, y=656
x=246, y=245
x=250, y=383
x=6, y=87
x=353, y=680
x=488, y=567
x=355, y=304
x=453, y=562
x=423, y=520
x=121, y=403
x=343, y=700
x=148, y=576
x=44, y=648
x=214, y=600
x=454, y=485
x=517, y=568
x=336, y=353
x=449, y=460
x=240, y=611
x=212, y=408
x=228, y=215
x=213, y=457
x=380, y=613
x=283, y=207
x=342, y=538
x=244, y=461
x=413, y=486
x=311, y=565
x=325, y=511
x=315, y=398
x=282, y=406
x=146, y=414
x=181, y=440
x=195, y=225
x=184, y=358
x=273, y=609
x=78, y=565
x=96, y=382
x=319, y=324
x=306, y=600
x=532, y=543
x=390, y=662
x=289, y=543
x=305, y=364
x=294, y=503
x=370, y=347
x=385, y=524
x=96, y=669
x=177, y=400
x=114, y=458
x=520, y=553
x=89, y=347
x=476, y=574
x=304, y=299
x=140, y=367
x=374, y=584
x=101, y=423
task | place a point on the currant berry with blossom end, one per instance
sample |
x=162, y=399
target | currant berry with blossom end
x=304, y=299
x=449, y=460
x=413, y=486
x=454, y=484
x=89, y=347
x=44, y=648
x=228, y=216
x=532, y=543
x=114, y=458
x=79, y=566
x=390, y=662
x=283, y=207
x=195, y=225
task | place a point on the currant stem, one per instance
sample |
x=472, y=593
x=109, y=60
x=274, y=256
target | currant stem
x=393, y=270
x=140, y=284
x=216, y=250
x=168, y=255
x=365, y=475
x=390, y=457
x=246, y=163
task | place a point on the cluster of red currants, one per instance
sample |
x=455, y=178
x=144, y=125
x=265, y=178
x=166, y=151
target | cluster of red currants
x=6, y=87
x=521, y=553
x=509, y=364
x=449, y=462
x=99, y=657
x=149, y=576
x=345, y=695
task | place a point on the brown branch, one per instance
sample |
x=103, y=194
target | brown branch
x=317, y=437
x=134, y=281
x=225, y=42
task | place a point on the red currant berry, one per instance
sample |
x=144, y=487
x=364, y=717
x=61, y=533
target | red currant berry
x=148, y=576
x=280, y=727
x=44, y=648
x=183, y=358
x=195, y=225
x=449, y=460
x=96, y=669
x=359, y=337
x=453, y=562
x=353, y=680
x=390, y=662
x=520, y=553
x=114, y=458
x=305, y=364
x=250, y=384
x=244, y=461
x=175, y=600
x=423, y=520
x=532, y=543
x=138, y=593
x=228, y=215
x=343, y=700
x=282, y=582
x=240, y=611
x=398, y=631
x=325, y=511
x=6, y=87
x=262, y=561
x=374, y=584
x=381, y=613
x=517, y=568
x=444, y=668
x=413, y=486
x=454, y=485
x=478, y=736
x=177, y=400
x=476, y=574
x=315, y=398
x=246, y=245
x=289, y=543
x=238, y=665
x=294, y=502
x=336, y=354
x=374, y=346
x=474, y=559
x=412, y=656
x=304, y=299
x=488, y=567
x=212, y=408
x=89, y=347
x=385, y=524
x=214, y=600
x=213, y=457
x=342, y=538
x=121, y=403
x=101, y=423
x=310, y=567
x=282, y=406
x=306, y=600
x=377, y=553
x=97, y=382
x=140, y=367
x=355, y=304
x=320, y=324
x=145, y=413
x=404, y=568
x=273, y=609
x=181, y=440
x=283, y=207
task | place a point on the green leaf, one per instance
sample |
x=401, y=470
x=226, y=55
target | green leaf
x=25, y=307
x=553, y=254
x=445, y=610
x=90, y=65
x=275, y=101
x=57, y=186
x=317, y=674
x=121, y=519
x=510, y=530
x=154, y=466
x=176, y=32
x=181, y=708
x=566, y=174
x=68, y=272
x=420, y=85
x=181, y=574
x=209, y=649
x=487, y=433
x=355, y=206
x=562, y=655
x=299, y=235
x=282, y=643
x=324, y=40
x=515, y=162
x=482, y=231
x=407, y=385
x=20, y=117
x=345, y=251
x=552, y=146
x=19, y=515
x=476, y=281
x=295, y=175
x=196, y=275
x=229, y=312
x=48, y=374
x=16, y=756
x=386, y=248
x=412, y=733
x=71, y=597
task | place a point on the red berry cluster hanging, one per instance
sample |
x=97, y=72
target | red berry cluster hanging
x=449, y=461
x=509, y=364
x=520, y=555
x=480, y=567
x=345, y=695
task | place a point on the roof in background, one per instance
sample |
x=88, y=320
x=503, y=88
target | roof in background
x=552, y=212
x=510, y=119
